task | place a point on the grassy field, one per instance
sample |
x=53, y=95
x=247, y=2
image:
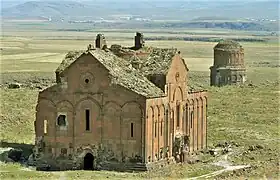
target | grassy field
x=247, y=115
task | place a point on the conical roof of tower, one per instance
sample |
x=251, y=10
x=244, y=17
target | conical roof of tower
x=228, y=45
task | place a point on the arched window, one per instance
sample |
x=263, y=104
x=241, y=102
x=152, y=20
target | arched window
x=87, y=113
x=131, y=130
x=61, y=120
x=45, y=127
x=166, y=125
x=191, y=123
x=178, y=115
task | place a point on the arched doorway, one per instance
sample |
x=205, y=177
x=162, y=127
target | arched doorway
x=88, y=161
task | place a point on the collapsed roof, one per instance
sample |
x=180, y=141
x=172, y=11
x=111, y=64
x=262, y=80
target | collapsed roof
x=149, y=60
x=121, y=71
x=129, y=67
x=69, y=58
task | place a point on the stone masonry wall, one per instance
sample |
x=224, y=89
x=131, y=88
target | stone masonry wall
x=228, y=67
x=180, y=113
x=123, y=127
x=114, y=111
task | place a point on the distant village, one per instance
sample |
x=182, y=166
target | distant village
x=131, y=18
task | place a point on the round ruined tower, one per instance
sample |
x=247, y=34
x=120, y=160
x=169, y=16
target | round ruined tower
x=228, y=67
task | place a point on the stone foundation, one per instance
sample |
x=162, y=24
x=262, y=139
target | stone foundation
x=160, y=163
x=66, y=164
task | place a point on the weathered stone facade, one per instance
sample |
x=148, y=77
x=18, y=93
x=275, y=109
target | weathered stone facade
x=106, y=113
x=228, y=67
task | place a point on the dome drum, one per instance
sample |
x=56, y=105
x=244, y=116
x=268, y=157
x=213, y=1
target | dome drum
x=228, y=67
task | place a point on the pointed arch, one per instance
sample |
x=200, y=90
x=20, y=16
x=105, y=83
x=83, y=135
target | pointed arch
x=167, y=127
x=44, y=101
x=162, y=115
x=150, y=132
x=111, y=120
x=64, y=116
x=198, y=124
x=202, y=122
x=45, y=117
x=87, y=99
x=65, y=105
x=205, y=99
x=112, y=108
x=134, y=104
x=150, y=112
x=191, y=131
x=156, y=116
x=132, y=115
x=158, y=112
x=178, y=94
x=88, y=113
x=187, y=118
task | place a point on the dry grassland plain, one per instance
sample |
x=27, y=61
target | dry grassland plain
x=247, y=115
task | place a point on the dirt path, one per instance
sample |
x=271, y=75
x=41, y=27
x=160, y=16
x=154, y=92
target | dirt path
x=222, y=163
x=230, y=168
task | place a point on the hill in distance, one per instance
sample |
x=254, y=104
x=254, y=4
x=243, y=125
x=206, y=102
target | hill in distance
x=154, y=9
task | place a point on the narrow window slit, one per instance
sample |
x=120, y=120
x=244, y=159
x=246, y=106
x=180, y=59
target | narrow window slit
x=87, y=120
x=131, y=129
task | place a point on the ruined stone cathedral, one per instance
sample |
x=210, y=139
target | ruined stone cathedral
x=119, y=108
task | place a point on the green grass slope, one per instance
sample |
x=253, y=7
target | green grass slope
x=247, y=115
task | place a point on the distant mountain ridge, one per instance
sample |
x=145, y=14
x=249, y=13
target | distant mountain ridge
x=53, y=9
x=182, y=10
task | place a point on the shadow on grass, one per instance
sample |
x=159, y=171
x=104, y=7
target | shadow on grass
x=15, y=152
x=22, y=146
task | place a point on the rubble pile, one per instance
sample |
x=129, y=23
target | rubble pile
x=69, y=59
